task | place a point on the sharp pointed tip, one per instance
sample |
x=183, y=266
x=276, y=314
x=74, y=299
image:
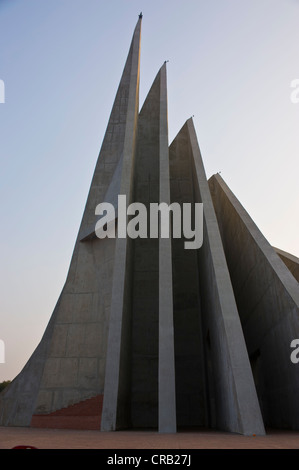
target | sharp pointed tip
x=164, y=65
x=190, y=123
x=140, y=15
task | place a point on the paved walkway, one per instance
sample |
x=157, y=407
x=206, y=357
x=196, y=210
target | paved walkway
x=70, y=439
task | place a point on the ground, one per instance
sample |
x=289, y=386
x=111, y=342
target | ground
x=71, y=439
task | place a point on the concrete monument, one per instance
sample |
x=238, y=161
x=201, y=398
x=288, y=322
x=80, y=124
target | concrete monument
x=149, y=334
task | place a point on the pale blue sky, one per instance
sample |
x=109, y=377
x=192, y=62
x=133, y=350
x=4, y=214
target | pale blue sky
x=231, y=64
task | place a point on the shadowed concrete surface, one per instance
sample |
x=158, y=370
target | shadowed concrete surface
x=192, y=403
x=152, y=363
x=145, y=286
x=225, y=394
x=267, y=296
x=291, y=261
x=201, y=439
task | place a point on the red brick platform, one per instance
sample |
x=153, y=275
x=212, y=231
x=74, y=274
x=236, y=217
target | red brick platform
x=71, y=439
x=83, y=415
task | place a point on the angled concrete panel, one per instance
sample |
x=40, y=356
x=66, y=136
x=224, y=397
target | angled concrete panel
x=152, y=375
x=17, y=401
x=145, y=289
x=117, y=383
x=54, y=377
x=192, y=406
x=234, y=405
x=267, y=295
x=291, y=261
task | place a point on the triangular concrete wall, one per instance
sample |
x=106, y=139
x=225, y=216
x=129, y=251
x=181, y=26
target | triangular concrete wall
x=68, y=366
x=291, y=262
x=267, y=297
x=232, y=401
x=148, y=398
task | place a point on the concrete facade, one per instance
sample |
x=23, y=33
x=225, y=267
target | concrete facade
x=267, y=296
x=70, y=362
x=152, y=350
x=117, y=383
x=145, y=292
x=225, y=395
x=291, y=262
x=148, y=334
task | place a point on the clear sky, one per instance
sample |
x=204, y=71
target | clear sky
x=231, y=64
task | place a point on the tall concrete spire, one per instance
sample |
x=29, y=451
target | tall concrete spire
x=69, y=364
x=119, y=139
x=150, y=363
x=167, y=402
x=232, y=401
x=145, y=281
x=116, y=394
